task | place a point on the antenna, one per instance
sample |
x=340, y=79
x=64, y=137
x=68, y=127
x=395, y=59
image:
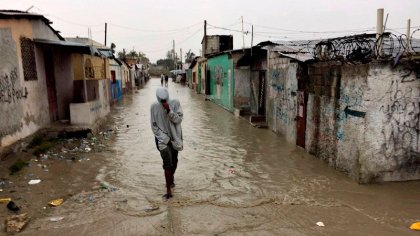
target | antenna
x=30, y=8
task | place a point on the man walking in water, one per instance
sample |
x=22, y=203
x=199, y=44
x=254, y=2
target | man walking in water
x=166, y=80
x=166, y=117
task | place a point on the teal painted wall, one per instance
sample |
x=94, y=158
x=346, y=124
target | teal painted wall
x=221, y=81
x=189, y=77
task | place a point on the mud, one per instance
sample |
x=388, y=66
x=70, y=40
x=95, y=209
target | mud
x=232, y=179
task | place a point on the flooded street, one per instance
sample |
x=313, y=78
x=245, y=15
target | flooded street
x=232, y=179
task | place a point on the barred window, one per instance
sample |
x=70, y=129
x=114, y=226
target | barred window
x=28, y=59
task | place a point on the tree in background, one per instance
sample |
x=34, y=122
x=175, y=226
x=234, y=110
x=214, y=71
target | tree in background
x=189, y=56
x=122, y=55
x=139, y=56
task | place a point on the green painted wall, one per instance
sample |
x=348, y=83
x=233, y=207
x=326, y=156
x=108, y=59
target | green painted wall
x=189, y=77
x=221, y=80
x=198, y=89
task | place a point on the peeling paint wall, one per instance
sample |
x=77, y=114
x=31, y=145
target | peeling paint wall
x=23, y=104
x=281, y=96
x=364, y=119
x=242, y=88
x=393, y=125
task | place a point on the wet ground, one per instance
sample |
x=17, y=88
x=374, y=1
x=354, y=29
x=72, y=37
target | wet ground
x=232, y=179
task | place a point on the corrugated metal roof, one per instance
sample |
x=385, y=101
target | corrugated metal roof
x=77, y=47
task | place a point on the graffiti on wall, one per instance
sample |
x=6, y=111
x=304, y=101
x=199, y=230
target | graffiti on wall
x=276, y=81
x=401, y=107
x=284, y=96
x=218, y=74
x=10, y=91
x=351, y=99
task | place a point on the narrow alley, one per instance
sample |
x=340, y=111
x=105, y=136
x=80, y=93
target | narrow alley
x=232, y=179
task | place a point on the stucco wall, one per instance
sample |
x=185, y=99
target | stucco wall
x=281, y=96
x=86, y=114
x=242, y=88
x=221, y=81
x=42, y=31
x=364, y=120
x=23, y=104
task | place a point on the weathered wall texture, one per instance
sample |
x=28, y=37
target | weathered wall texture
x=64, y=83
x=221, y=80
x=364, y=120
x=23, y=104
x=281, y=96
x=393, y=125
x=242, y=88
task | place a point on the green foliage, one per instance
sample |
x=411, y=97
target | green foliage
x=44, y=147
x=37, y=140
x=17, y=166
x=189, y=56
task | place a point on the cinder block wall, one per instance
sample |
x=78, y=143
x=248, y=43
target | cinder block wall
x=364, y=119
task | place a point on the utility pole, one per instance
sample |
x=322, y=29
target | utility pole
x=252, y=38
x=174, y=55
x=106, y=27
x=379, y=30
x=205, y=38
x=180, y=55
x=408, y=36
x=243, y=37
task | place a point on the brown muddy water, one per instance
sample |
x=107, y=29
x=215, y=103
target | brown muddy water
x=232, y=179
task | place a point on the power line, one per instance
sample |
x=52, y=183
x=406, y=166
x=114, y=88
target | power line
x=66, y=21
x=156, y=31
x=181, y=42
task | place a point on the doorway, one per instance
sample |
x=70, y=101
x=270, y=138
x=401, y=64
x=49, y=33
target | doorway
x=51, y=89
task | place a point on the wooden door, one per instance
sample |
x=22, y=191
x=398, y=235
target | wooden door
x=261, y=94
x=51, y=90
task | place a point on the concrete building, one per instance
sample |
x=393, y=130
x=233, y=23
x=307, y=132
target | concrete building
x=358, y=113
x=212, y=44
x=36, y=75
x=222, y=70
x=116, y=85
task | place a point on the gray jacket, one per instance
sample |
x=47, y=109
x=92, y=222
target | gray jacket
x=167, y=126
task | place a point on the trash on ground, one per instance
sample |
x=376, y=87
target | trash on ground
x=415, y=226
x=88, y=149
x=5, y=200
x=320, y=224
x=1, y=190
x=34, y=181
x=12, y=206
x=15, y=223
x=103, y=186
x=56, y=218
x=232, y=171
x=56, y=202
x=151, y=208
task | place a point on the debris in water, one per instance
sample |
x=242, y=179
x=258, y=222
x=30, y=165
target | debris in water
x=320, y=224
x=56, y=202
x=232, y=171
x=56, y=218
x=415, y=226
x=12, y=206
x=151, y=208
x=5, y=200
x=34, y=181
x=15, y=223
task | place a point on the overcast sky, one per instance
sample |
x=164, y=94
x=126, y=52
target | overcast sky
x=151, y=25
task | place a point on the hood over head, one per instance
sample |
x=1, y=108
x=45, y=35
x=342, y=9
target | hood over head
x=162, y=94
